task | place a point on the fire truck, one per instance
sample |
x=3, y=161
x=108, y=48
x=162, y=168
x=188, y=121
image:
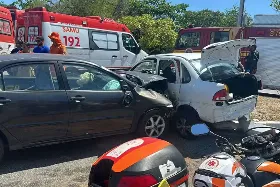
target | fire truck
x=7, y=37
x=267, y=40
x=101, y=40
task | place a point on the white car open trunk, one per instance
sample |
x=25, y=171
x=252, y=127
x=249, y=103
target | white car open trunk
x=240, y=85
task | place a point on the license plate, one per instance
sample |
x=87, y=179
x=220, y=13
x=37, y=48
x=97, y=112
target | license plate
x=182, y=185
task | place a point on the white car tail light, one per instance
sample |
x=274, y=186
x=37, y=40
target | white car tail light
x=221, y=95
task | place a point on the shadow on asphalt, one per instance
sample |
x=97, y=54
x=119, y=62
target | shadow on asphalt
x=55, y=154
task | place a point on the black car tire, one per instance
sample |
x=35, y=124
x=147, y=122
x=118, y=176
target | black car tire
x=184, y=119
x=2, y=149
x=145, y=122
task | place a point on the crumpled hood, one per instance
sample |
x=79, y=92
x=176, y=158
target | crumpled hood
x=148, y=81
x=226, y=52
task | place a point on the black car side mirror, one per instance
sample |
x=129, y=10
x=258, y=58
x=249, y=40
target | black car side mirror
x=124, y=85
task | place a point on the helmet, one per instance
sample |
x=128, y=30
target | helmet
x=219, y=170
x=142, y=162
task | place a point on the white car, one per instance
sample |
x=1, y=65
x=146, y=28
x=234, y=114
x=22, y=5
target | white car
x=204, y=87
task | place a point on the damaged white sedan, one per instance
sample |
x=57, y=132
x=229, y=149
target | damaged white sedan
x=204, y=87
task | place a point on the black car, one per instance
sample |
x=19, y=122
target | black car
x=46, y=99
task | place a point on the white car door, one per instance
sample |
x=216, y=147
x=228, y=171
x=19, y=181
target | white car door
x=169, y=68
x=105, y=48
x=130, y=50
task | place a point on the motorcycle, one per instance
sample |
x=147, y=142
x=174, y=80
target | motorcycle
x=257, y=168
x=142, y=162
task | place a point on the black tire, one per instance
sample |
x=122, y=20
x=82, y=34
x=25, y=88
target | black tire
x=2, y=149
x=145, y=122
x=183, y=120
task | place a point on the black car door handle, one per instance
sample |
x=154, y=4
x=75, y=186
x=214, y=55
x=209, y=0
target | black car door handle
x=114, y=56
x=78, y=98
x=125, y=56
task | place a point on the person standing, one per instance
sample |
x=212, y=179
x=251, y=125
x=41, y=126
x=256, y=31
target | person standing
x=25, y=70
x=18, y=47
x=251, y=61
x=57, y=46
x=25, y=48
x=41, y=48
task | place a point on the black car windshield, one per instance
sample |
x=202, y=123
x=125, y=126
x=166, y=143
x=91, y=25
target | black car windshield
x=216, y=71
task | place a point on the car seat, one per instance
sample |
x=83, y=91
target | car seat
x=167, y=73
x=43, y=80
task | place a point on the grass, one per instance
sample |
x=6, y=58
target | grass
x=268, y=109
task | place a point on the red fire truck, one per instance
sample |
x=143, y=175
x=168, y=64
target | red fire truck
x=7, y=37
x=103, y=41
x=267, y=40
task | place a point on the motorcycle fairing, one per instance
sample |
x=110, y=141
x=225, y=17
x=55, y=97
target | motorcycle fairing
x=219, y=170
x=275, y=183
x=270, y=167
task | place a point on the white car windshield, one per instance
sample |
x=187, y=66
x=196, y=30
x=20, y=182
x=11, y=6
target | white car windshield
x=216, y=71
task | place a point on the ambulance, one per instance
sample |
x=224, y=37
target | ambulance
x=100, y=40
x=7, y=37
x=18, y=22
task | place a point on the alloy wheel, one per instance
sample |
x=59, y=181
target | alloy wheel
x=182, y=126
x=155, y=126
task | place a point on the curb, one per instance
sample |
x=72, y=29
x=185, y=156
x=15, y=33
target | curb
x=267, y=123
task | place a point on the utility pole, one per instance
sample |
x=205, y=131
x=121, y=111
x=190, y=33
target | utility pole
x=241, y=12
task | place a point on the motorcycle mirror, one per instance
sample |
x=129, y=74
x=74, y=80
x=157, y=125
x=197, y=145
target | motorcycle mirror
x=199, y=129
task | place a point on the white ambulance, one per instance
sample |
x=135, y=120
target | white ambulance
x=102, y=41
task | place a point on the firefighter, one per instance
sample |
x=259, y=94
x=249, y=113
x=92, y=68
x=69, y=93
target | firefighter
x=57, y=46
x=251, y=60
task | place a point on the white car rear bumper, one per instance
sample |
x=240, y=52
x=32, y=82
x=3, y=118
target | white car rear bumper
x=231, y=111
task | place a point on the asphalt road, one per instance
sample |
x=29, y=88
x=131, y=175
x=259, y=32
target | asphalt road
x=69, y=164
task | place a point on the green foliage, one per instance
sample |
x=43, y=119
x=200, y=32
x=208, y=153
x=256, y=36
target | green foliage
x=158, y=35
x=25, y=4
x=275, y=4
x=156, y=8
x=158, y=20
x=209, y=18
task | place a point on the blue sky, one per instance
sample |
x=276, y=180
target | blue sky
x=252, y=6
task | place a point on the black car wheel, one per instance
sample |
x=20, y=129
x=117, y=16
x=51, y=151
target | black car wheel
x=153, y=124
x=2, y=149
x=184, y=121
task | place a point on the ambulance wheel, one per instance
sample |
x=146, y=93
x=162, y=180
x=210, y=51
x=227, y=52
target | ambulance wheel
x=153, y=124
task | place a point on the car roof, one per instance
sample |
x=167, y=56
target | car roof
x=188, y=56
x=36, y=57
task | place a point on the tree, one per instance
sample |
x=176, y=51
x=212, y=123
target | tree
x=157, y=8
x=25, y=4
x=209, y=18
x=2, y=3
x=275, y=4
x=157, y=35
x=231, y=16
